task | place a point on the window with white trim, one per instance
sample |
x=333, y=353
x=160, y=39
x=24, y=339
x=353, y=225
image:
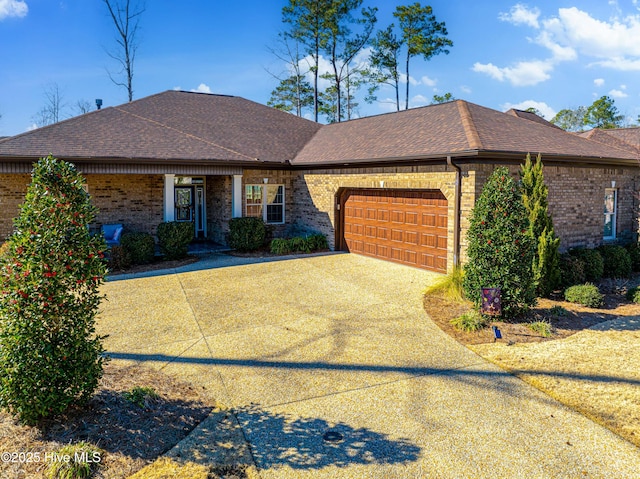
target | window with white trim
x=610, y=210
x=266, y=202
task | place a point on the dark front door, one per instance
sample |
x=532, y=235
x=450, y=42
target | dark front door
x=190, y=207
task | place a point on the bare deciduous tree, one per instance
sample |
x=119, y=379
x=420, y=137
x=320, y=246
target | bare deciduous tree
x=52, y=110
x=83, y=106
x=125, y=15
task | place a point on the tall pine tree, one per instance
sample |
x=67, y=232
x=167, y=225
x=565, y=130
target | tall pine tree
x=546, y=263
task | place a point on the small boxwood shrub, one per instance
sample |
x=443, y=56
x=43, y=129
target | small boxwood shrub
x=119, y=258
x=585, y=294
x=299, y=244
x=634, y=254
x=174, y=238
x=140, y=246
x=617, y=261
x=246, y=234
x=571, y=270
x=593, y=263
x=634, y=294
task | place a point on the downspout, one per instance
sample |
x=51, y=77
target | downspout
x=456, y=211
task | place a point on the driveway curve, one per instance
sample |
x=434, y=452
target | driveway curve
x=333, y=370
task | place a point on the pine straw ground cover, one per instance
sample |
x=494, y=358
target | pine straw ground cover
x=129, y=436
x=591, y=362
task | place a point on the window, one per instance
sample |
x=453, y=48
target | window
x=610, y=207
x=266, y=202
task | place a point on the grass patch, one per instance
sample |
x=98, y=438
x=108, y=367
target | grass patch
x=449, y=286
x=79, y=461
x=558, y=311
x=470, y=321
x=141, y=396
x=543, y=328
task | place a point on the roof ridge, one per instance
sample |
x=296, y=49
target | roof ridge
x=183, y=133
x=469, y=127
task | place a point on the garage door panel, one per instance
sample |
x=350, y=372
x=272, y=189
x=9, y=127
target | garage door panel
x=406, y=226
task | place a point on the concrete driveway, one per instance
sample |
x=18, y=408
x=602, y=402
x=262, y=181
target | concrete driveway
x=341, y=343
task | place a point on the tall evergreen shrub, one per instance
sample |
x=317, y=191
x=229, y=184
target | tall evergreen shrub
x=501, y=249
x=50, y=356
x=546, y=262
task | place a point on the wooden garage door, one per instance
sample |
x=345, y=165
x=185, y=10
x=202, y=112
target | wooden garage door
x=405, y=226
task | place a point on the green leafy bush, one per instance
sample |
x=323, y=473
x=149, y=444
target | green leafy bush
x=617, y=261
x=571, y=270
x=280, y=246
x=83, y=459
x=299, y=244
x=174, y=238
x=470, y=321
x=501, y=250
x=593, y=263
x=119, y=258
x=246, y=234
x=634, y=254
x=558, y=311
x=585, y=294
x=140, y=246
x=50, y=357
x=634, y=294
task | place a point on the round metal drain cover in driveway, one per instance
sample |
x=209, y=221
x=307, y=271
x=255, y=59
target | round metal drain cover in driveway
x=332, y=436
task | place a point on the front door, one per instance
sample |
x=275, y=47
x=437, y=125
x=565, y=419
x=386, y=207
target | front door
x=190, y=207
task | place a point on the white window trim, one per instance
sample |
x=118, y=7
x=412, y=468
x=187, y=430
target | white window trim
x=264, y=202
x=614, y=215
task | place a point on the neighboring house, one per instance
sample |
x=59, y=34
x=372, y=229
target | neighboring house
x=398, y=186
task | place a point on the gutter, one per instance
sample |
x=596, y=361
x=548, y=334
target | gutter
x=456, y=211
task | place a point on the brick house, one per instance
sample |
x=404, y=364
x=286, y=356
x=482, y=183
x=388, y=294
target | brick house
x=398, y=186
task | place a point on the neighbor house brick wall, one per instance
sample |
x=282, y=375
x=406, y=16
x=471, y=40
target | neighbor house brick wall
x=315, y=192
x=219, y=207
x=136, y=201
x=13, y=188
x=576, y=201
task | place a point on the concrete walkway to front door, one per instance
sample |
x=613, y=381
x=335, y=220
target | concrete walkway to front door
x=341, y=344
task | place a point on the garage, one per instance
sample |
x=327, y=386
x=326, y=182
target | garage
x=404, y=226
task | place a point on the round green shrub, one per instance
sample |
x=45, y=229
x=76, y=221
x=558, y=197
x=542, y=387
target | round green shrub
x=500, y=251
x=617, y=261
x=634, y=294
x=593, y=263
x=140, y=246
x=572, y=270
x=280, y=246
x=119, y=258
x=174, y=238
x=634, y=254
x=50, y=356
x=585, y=294
x=246, y=234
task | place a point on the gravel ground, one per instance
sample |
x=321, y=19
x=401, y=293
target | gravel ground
x=341, y=343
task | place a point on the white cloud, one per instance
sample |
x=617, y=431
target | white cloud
x=521, y=74
x=465, y=89
x=13, y=8
x=428, y=81
x=618, y=93
x=202, y=88
x=542, y=107
x=598, y=81
x=521, y=14
x=419, y=100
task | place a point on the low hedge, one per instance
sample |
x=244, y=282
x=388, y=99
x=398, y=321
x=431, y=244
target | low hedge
x=247, y=234
x=174, y=238
x=299, y=244
x=593, y=263
x=140, y=246
x=617, y=261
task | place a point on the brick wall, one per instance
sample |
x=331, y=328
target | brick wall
x=136, y=201
x=13, y=188
x=576, y=201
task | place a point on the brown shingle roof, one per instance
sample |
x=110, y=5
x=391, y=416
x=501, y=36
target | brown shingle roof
x=626, y=138
x=172, y=125
x=527, y=115
x=455, y=128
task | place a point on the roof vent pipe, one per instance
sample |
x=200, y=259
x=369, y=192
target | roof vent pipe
x=99, y=103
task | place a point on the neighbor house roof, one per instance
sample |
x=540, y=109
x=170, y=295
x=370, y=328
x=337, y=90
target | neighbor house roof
x=173, y=125
x=626, y=138
x=527, y=115
x=457, y=128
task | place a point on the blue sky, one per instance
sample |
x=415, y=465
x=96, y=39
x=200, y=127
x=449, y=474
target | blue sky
x=550, y=54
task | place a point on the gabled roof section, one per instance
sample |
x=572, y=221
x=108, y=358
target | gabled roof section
x=174, y=126
x=457, y=128
x=625, y=138
x=527, y=115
